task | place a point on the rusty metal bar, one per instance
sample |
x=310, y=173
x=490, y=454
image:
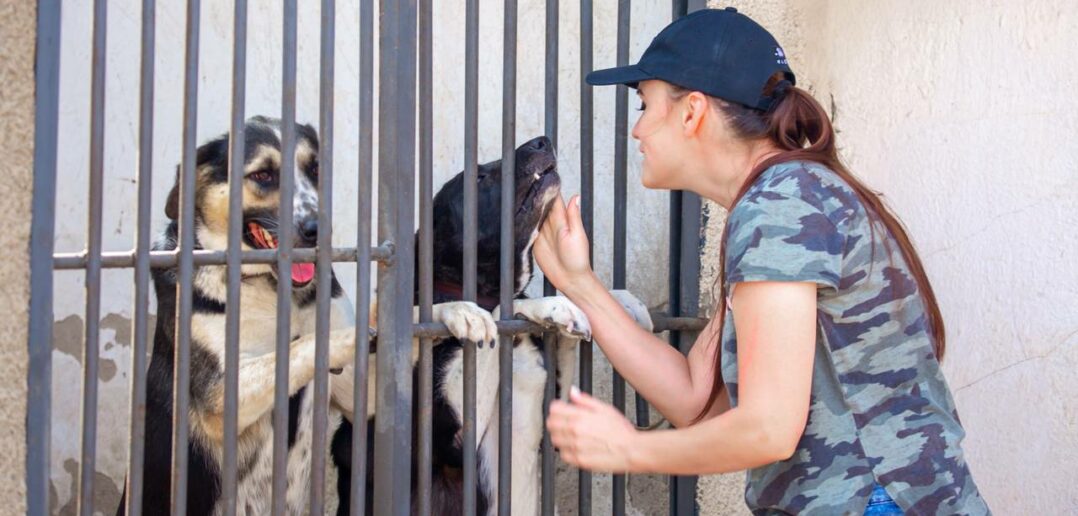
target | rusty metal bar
x=87, y=461
x=140, y=332
x=324, y=267
x=284, y=259
x=357, y=489
x=236, y=146
x=587, y=198
x=471, y=174
x=425, y=366
x=185, y=264
x=396, y=223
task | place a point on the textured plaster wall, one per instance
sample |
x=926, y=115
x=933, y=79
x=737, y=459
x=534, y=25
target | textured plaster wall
x=962, y=114
x=17, y=131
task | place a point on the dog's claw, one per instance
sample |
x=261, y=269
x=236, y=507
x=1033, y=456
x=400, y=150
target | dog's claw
x=555, y=313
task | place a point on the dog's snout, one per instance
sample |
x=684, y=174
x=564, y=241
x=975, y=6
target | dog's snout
x=308, y=229
x=539, y=144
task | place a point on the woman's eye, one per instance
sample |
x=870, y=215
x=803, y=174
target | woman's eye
x=642, y=107
x=262, y=176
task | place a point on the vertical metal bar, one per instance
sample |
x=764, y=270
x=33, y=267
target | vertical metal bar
x=688, y=305
x=42, y=230
x=549, y=339
x=323, y=256
x=93, y=265
x=425, y=368
x=363, y=259
x=621, y=125
x=471, y=138
x=587, y=197
x=140, y=333
x=181, y=375
x=507, y=281
x=396, y=222
x=684, y=288
x=236, y=150
x=284, y=259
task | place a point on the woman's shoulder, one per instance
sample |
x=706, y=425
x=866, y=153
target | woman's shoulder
x=804, y=182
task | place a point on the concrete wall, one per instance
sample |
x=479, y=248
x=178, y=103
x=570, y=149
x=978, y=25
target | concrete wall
x=963, y=114
x=17, y=132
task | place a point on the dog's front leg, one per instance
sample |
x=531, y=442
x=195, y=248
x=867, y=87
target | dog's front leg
x=559, y=314
x=467, y=321
x=256, y=380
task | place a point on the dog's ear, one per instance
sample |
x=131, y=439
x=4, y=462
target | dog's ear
x=172, y=205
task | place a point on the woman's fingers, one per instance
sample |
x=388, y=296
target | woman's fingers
x=555, y=219
x=584, y=400
x=574, y=220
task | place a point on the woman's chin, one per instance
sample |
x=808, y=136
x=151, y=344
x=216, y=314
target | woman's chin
x=648, y=179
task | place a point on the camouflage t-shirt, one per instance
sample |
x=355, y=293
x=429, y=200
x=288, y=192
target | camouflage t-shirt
x=880, y=410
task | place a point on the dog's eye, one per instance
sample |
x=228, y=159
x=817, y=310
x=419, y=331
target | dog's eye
x=261, y=176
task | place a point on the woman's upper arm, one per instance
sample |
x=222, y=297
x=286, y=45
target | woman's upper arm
x=775, y=324
x=702, y=371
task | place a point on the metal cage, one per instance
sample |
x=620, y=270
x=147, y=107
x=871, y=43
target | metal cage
x=405, y=51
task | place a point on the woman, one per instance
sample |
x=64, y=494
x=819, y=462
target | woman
x=820, y=376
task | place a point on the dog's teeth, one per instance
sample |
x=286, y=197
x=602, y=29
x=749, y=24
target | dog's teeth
x=268, y=238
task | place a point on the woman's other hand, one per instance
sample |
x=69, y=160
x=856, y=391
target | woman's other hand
x=561, y=249
x=591, y=434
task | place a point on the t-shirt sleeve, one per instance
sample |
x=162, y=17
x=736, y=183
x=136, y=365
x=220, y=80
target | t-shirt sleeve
x=774, y=237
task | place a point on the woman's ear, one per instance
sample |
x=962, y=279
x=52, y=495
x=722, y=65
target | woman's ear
x=697, y=107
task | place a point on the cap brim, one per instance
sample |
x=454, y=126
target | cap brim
x=629, y=75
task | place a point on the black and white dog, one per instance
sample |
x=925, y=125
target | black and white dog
x=537, y=184
x=258, y=308
x=257, y=332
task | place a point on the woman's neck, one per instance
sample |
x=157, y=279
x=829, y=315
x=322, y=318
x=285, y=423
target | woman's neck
x=727, y=173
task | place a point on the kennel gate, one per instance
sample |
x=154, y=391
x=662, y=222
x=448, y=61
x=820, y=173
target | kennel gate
x=405, y=50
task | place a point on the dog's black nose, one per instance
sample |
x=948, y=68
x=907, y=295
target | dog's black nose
x=541, y=143
x=308, y=229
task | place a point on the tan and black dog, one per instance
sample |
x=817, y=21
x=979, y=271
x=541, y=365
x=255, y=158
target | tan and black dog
x=258, y=311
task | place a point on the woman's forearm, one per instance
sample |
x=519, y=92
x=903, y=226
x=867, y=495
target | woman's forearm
x=654, y=368
x=733, y=441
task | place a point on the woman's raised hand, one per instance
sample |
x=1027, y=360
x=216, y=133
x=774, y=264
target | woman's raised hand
x=561, y=249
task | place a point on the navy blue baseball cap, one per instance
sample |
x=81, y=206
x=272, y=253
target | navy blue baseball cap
x=720, y=52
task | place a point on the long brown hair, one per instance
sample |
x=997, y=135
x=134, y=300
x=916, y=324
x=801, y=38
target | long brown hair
x=802, y=131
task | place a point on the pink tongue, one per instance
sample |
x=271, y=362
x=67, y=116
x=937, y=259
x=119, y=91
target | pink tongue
x=302, y=272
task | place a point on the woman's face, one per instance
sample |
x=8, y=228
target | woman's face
x=660, y=133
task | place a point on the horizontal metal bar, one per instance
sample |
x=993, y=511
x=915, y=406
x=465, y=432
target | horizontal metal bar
x=662, y=323
x=158, y=259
